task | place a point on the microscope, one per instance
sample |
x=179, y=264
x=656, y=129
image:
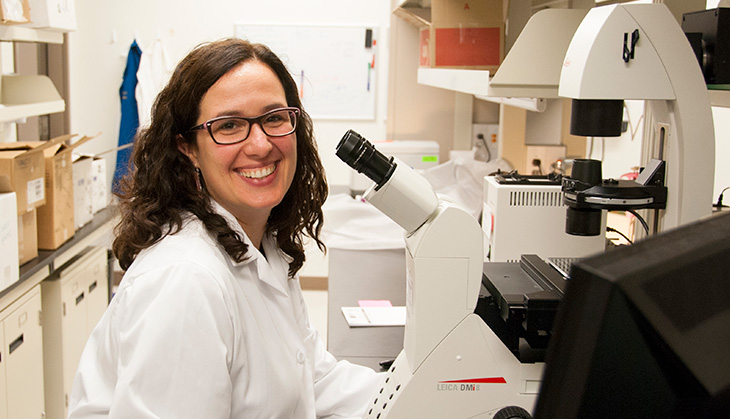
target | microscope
x=452, y=364
x=586, y=194
x=639, y=51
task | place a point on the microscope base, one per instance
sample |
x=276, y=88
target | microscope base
x=470, y=374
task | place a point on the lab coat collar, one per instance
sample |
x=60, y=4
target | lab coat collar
x=273, y=268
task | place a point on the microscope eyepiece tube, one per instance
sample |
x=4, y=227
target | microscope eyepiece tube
x=399, y=191
x=360, y=154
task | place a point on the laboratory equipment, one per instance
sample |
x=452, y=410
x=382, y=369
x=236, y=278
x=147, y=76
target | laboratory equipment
x=643, y=330
x=525, y=214
x=586, y=194
x=452, y=364
x=639, y=51
x=710, y=39
x=520, y=304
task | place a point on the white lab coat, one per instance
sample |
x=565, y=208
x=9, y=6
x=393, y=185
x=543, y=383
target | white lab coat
x=192, y=334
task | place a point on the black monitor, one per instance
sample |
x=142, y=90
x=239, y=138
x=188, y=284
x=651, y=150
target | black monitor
x=644, y=331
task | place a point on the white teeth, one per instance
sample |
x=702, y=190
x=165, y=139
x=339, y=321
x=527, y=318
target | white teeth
x=258, y=174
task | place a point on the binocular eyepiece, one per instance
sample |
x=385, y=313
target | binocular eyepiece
x=360, y=155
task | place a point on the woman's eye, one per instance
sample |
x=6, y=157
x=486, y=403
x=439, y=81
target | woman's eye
x=274, y=119
x=230, y=125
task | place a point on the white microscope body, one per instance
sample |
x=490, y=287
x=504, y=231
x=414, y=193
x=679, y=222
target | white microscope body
x=452, y=364
x=664, y=72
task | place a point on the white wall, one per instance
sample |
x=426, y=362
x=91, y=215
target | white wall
x=97, y=54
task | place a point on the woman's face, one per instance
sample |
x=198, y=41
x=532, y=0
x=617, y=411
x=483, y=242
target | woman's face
x=251, y=177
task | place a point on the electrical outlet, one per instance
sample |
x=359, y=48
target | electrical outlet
x=486, y=135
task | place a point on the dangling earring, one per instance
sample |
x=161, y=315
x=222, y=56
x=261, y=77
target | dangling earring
x=198, y=176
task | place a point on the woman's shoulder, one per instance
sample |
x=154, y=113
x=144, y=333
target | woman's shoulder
x=183, y=265
x=191, y=246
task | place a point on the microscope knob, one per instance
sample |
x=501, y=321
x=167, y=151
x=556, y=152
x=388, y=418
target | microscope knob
x=512, y=412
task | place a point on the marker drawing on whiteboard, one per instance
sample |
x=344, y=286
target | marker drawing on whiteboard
x=301, y=85
x=369, y=68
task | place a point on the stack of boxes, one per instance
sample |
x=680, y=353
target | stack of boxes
x=38, y=182
x=23, y=169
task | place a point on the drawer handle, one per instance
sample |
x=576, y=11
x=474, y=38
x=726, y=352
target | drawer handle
x=80, y=298
x=92, y=287
x=15, y=344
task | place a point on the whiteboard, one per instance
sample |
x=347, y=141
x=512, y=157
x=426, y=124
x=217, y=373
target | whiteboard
x=334, y=70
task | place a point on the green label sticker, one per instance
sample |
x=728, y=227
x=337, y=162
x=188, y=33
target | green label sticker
x=426, y=159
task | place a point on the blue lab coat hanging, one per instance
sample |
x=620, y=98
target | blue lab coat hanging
x=130, y=117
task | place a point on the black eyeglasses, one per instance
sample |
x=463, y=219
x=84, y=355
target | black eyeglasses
x=226, y=130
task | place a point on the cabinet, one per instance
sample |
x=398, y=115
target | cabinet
x=21, y=365
x=24, y=397
x=3, y=386
x=74, y=299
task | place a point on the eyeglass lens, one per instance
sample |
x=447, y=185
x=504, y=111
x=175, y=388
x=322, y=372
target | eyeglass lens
x=235, y=129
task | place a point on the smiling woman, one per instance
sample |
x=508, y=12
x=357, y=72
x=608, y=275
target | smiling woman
x=207, y=84
x=209, y=319
x=248, y=175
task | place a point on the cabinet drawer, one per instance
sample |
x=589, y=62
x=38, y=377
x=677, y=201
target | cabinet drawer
x=23, y=357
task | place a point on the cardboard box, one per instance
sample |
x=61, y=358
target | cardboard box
x=99, y=192
x=22, y=170
x=464, y=34
x=27, y=236
x=57, y=15
x=82, y=190
x=56, y=217
x=9, y=258
x=14, y=11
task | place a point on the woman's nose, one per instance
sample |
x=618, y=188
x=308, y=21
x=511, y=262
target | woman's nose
x=257, y=142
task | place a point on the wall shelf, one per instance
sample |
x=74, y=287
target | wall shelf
x=474, y=82
x=15, y=33
x=28, y=95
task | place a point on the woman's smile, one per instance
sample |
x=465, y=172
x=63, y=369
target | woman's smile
x=257, y=173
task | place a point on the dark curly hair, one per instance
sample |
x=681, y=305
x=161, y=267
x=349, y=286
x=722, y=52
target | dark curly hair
x=161, y=186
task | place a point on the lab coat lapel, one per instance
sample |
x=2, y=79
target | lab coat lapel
x=272, y=271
